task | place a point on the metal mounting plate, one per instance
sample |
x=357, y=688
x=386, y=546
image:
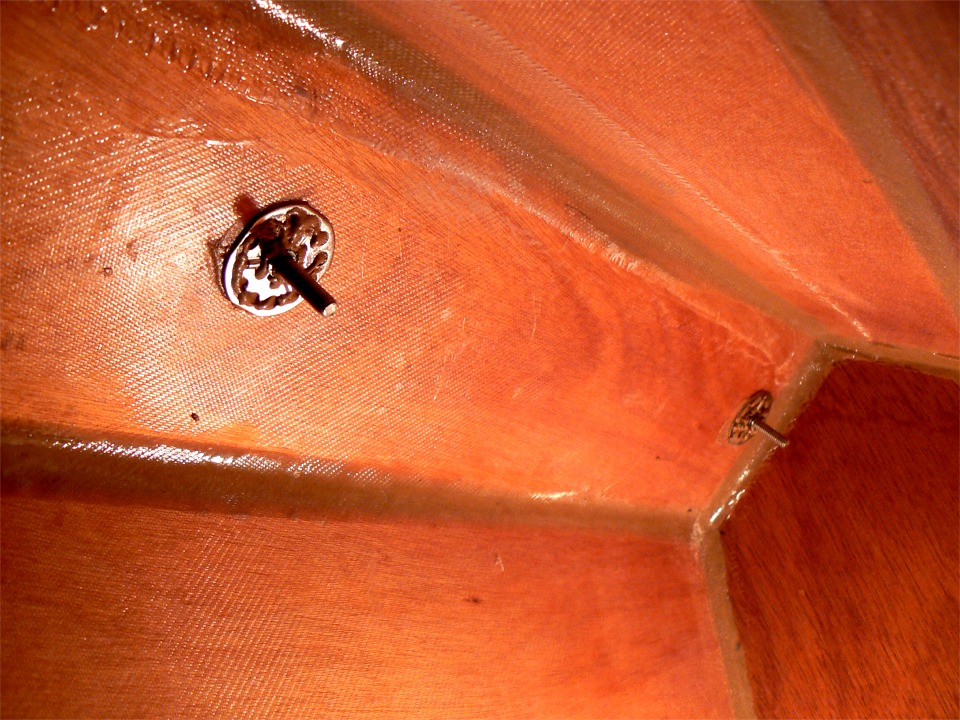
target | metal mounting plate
x=248, y=279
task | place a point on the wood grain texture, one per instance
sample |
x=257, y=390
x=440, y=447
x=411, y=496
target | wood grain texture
x=142, y=612
x=703, y=114
x=922, y=97
x=843, y=556
x=478, y=342
x=888, y=74
x=572, y=238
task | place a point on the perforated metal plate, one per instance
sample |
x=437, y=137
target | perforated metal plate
x=251, y=283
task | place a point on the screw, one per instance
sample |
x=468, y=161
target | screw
x=751, y=418
x=769, y=432
x=290, y=270
x=278, y=260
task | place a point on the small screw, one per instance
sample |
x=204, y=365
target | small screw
x=278, y=260
x=751, y=418
x=286, y=265
x=770, y=433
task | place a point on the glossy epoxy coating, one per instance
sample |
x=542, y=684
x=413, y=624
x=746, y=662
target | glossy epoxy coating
x=478, y=342
x=842, y=555
x=808, y=151
x=490, y=341
x=145, y=612
x=547, y=304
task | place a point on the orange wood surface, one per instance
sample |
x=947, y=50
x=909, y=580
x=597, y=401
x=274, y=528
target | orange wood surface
x=704, y=115
x=132, y=611
x=922, y=97
x=843, y=557
x=476, y=342
x=571, y=239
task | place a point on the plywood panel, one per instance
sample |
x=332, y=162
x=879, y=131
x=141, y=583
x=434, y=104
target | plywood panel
x=478, y=342
x=887, y=72
x=143, y=612
x=842, y=556
x=701, y=112
x=909, y=54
